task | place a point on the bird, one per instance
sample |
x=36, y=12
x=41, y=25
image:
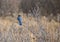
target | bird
x=19, y=18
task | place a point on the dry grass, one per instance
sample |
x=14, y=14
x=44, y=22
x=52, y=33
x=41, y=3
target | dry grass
x=30, y=31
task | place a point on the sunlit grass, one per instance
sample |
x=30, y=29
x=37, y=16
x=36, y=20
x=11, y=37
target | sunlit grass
x=35, y=29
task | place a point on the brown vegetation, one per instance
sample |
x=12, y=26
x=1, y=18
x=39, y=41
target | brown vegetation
x=31, y=31
x=41, y=21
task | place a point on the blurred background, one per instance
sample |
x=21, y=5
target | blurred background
x=41, y=21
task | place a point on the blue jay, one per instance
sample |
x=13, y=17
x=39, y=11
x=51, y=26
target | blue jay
x=19, y=18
